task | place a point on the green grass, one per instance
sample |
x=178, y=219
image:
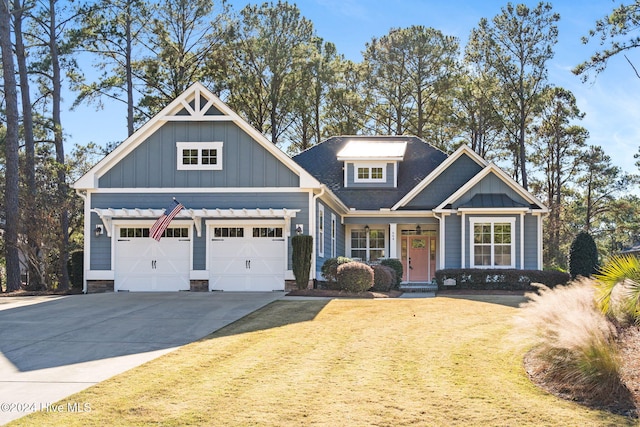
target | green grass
x=394, y=362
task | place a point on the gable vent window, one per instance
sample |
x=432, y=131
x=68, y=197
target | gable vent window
x=199, y=155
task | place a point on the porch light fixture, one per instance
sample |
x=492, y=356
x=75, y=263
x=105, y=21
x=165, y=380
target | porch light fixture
x=418, y=230
x=366, y=229
x=99, y=230
x=299, y=229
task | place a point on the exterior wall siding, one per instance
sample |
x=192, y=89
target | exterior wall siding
x=100, y=258
x=447, y=183
x=490, y=184
x=452, y=248
x=531, y=248
x=389, y=182
x=340, y=237
x=244, y=162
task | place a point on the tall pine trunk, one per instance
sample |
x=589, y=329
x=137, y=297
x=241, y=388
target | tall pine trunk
x=11, y=152
x=32, y=250
x=63, y=245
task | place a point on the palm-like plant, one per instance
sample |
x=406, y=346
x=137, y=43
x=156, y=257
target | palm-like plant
x=618, y=288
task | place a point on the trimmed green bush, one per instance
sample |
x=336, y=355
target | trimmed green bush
x=583, y=256
x=396, y=265
x=502, y=279
x=75, y=267
x=384, y=278
x=354, y=277
x=330, y=270
x=301, y=258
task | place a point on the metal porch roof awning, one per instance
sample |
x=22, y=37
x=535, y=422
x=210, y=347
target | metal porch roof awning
x=107, y=215
x=492, y=200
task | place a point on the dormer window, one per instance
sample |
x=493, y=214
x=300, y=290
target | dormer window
x=370, y=173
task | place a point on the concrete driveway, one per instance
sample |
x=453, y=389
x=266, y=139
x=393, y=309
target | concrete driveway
x=52, y=347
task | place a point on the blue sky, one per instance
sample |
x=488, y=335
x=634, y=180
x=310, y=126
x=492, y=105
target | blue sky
x=610, y=100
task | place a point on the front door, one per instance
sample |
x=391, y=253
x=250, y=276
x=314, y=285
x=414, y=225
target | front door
x=419, y=257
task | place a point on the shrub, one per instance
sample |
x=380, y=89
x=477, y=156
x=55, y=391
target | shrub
x=583, y=256
x=330, y=270
x=502, y=279
x=301, y=259
x=573, y=342
x=396, y=265
x=384, y=278
x=619, y=289
x=354, y=277
x=75, y=267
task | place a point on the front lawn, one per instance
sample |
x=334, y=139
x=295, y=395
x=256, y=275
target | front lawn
x=392, y=362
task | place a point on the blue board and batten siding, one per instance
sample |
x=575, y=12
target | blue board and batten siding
x=101, y=246
x=531, y=249
x=340, y=237
x=490, y=184
x=244, y=162
x=444, y=185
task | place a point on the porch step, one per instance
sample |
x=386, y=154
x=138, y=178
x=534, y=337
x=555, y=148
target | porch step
x=418, y=287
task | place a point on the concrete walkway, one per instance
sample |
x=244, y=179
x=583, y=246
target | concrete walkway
x=52, y=347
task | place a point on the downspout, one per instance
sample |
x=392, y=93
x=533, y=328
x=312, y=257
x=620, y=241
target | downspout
x=87, y=238
x=312, y=231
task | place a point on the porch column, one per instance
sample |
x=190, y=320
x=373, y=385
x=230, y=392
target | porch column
x=393, y=242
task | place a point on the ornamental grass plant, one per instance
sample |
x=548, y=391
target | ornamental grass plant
x=574, y=348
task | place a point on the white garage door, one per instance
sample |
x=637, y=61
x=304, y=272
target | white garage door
x=143, y=264
x=247, y=258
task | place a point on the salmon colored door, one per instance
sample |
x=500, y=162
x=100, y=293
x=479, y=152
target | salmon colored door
x=418, y=258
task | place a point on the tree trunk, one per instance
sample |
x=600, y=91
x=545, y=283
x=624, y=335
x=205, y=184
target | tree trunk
x=32, y=251
x=63, y=244
x=11, y=152
x=129, y=71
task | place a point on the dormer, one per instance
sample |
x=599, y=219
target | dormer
x=372, y=164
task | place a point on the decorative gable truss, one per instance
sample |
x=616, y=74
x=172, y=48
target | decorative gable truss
x=196, y=104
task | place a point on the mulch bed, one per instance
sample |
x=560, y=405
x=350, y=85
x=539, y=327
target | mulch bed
x=480, y=292
x=625, y=401
x=328, y=293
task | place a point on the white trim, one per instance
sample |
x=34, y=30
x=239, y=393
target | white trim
x=197, y=190
x=437, y=171
x=522, y=241
x=492, y=220
x=195, y=91
x=199, y=146
x=505, y=178
x=463, y=234
x=334, y=234
x=369, y=166
x=320, y=231
x=393, y=240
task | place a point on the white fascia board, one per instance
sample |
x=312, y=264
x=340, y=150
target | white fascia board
x=90, y=179
x=333, y=201
x=437, y=171
x=482, y=174
x=491, y=211
x=388, y=213
x=196, y=190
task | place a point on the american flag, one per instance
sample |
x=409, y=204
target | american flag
x=162, y=223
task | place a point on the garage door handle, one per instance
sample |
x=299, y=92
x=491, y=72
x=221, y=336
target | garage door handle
x=153, y=264
x=247, y=264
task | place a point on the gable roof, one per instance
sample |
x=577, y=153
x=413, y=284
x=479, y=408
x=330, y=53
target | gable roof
x=463, y=150
x=492, y=168
x=195, y=104
x=321, y=161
